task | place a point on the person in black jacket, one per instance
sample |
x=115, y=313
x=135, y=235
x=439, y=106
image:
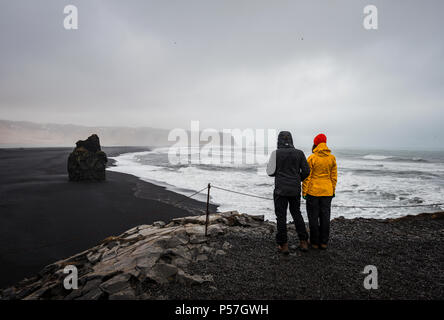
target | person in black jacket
x=289, y=167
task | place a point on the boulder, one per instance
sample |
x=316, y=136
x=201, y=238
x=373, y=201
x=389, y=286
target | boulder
x=127, y=294
x=159, y=224
x=87, y=162
x=220, y=252
x=226, y=245
x=190, y=280
x=116, y=284
x=162, y=273
x=201, y=257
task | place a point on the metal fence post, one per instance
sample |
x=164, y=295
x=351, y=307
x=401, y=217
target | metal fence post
x=208, y=212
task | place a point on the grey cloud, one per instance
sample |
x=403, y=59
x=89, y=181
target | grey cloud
x=306, y=66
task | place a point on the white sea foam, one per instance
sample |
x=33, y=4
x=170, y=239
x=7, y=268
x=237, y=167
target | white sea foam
x=375, y=157
x=361, y=182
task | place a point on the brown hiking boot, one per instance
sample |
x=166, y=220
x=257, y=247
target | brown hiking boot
x=303, y=245
x=323, y=246
x=283, y=248
x=315, y=246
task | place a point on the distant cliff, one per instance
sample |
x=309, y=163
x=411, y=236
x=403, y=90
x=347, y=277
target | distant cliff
x=30, y=134
x=15, y=134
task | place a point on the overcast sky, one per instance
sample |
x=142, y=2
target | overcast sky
x=305, y=66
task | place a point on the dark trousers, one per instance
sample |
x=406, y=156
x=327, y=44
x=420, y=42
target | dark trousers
x=280, y=207
x=318, y=212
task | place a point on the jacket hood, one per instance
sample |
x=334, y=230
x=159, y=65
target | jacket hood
x=322, y=150
x=285, y=140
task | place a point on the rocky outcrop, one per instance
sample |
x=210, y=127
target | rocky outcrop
x=125, y=266
x=87, y=162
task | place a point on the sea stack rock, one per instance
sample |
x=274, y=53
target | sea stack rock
x=87, y=162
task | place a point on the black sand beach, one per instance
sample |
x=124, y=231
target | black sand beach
x=44, y=217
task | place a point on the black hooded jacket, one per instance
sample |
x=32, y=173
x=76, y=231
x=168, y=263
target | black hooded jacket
x=289, y=167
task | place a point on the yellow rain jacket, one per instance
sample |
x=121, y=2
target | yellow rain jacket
x=323, y=173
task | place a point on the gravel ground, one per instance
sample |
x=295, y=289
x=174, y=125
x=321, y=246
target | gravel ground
x=408, y=253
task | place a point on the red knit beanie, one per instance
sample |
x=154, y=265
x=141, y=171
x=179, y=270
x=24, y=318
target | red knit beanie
x=319, y=139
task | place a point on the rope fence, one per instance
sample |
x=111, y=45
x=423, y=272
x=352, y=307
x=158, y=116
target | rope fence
x=241, y=193
x=333, y=206
x=190, y=196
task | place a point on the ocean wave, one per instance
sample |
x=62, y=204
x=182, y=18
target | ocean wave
x=395, y=173
x=414, y=159
x=213, y=167
x=376, y=157
x=361, y=182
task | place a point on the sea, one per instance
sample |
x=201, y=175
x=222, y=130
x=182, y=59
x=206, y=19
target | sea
x=372, y=178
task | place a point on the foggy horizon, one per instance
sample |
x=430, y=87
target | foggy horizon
x=304, y=142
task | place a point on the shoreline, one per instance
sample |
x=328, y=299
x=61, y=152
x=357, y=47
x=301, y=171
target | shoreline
x=44, y=217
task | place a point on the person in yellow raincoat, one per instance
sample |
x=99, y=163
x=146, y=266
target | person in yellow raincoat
x=318, y=189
